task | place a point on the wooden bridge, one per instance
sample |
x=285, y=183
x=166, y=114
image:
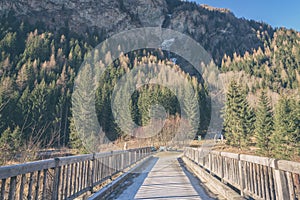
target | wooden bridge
x=156, y=176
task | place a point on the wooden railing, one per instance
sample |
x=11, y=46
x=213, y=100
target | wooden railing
x=254, y=176
x=65, y=177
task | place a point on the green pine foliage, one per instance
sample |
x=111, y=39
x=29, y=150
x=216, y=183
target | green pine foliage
x=38, y=68
x=142, y=100
x=238, y=116
x=276, y=66
x=285, y=138
x=264, y=124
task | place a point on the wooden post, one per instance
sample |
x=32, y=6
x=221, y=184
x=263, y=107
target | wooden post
x=37, y=186
x=91, y=179
x=242, y=181
x=210, y=163
x=12, y=187
x=129, y=158
x=122, y=161
x=222, y=167
x=3, y=188
x=110, y=167
x=56, y=179
x=281, y=183
x=29, y=195
x=23, y=179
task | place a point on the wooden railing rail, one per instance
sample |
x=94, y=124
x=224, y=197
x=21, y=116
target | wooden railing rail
x=256, y=177
x=65, y=177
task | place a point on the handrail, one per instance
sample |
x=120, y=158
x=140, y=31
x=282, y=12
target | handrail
x=254, y=176
x=65, y=177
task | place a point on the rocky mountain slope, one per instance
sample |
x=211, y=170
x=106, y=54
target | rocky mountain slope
x=218, y=30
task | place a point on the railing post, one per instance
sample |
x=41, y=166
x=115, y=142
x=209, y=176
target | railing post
x=280, y=182
x=194, y=155
x=129, y=158
x=56, y=180
x=210, y=162
x=122, y=161
x=222, y=167
x=93, y=173
x=12, y=187
x=110, y=163
x=242, y=181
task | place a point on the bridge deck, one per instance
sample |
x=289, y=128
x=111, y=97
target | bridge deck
x=164, y=178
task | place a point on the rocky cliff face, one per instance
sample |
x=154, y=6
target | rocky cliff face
x=218, y=30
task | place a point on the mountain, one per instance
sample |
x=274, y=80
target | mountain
x=43, y=44
x=217, y=30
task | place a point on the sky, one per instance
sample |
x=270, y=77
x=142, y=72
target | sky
x=277, y=13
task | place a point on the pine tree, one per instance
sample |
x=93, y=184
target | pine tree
x=264, y=124
x=285, y=130
x=75, y=140
x=238, y=116
x=6, y=140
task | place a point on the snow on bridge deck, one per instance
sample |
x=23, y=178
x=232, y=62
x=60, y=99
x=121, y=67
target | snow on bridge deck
x=164, y=178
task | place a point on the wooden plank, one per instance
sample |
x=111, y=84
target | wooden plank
x=255, y=179
x=3, y=184
x=67, y=182
x=241, y=178
x=258, y=175
x=83, y=175
x=267, y=184
x=251, y=178
x=247, y=177
x=15, y=170
x=75, y=178
x=290, y=185
x=90, y=175
x=12, y=188
x=45, y=171
x=29, y=195
x=262, y=181
x=71, y=180
x=98, y=170
x=280, y=180
x=258, y=160
x=296, y=178
x=174, y=183
x=271, y=183
x=63, y=181
x=230, y=155
x=289, y=166
x=21, y=194
x=37, y=185
x=101, y=155
x=78, y=176
x=74, y=159
x=56, y=180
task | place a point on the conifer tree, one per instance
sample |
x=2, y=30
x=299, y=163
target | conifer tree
x=238, y=116
x=264, y=124
x=284, y=136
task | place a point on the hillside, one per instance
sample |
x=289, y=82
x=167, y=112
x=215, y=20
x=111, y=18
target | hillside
x=43, y=44
x=218, y=31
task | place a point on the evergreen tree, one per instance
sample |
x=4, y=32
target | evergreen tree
x=238, y=116
x=264, y=124
x=284, y=137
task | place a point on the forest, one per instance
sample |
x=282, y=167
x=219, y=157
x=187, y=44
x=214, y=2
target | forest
x=38, y=68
